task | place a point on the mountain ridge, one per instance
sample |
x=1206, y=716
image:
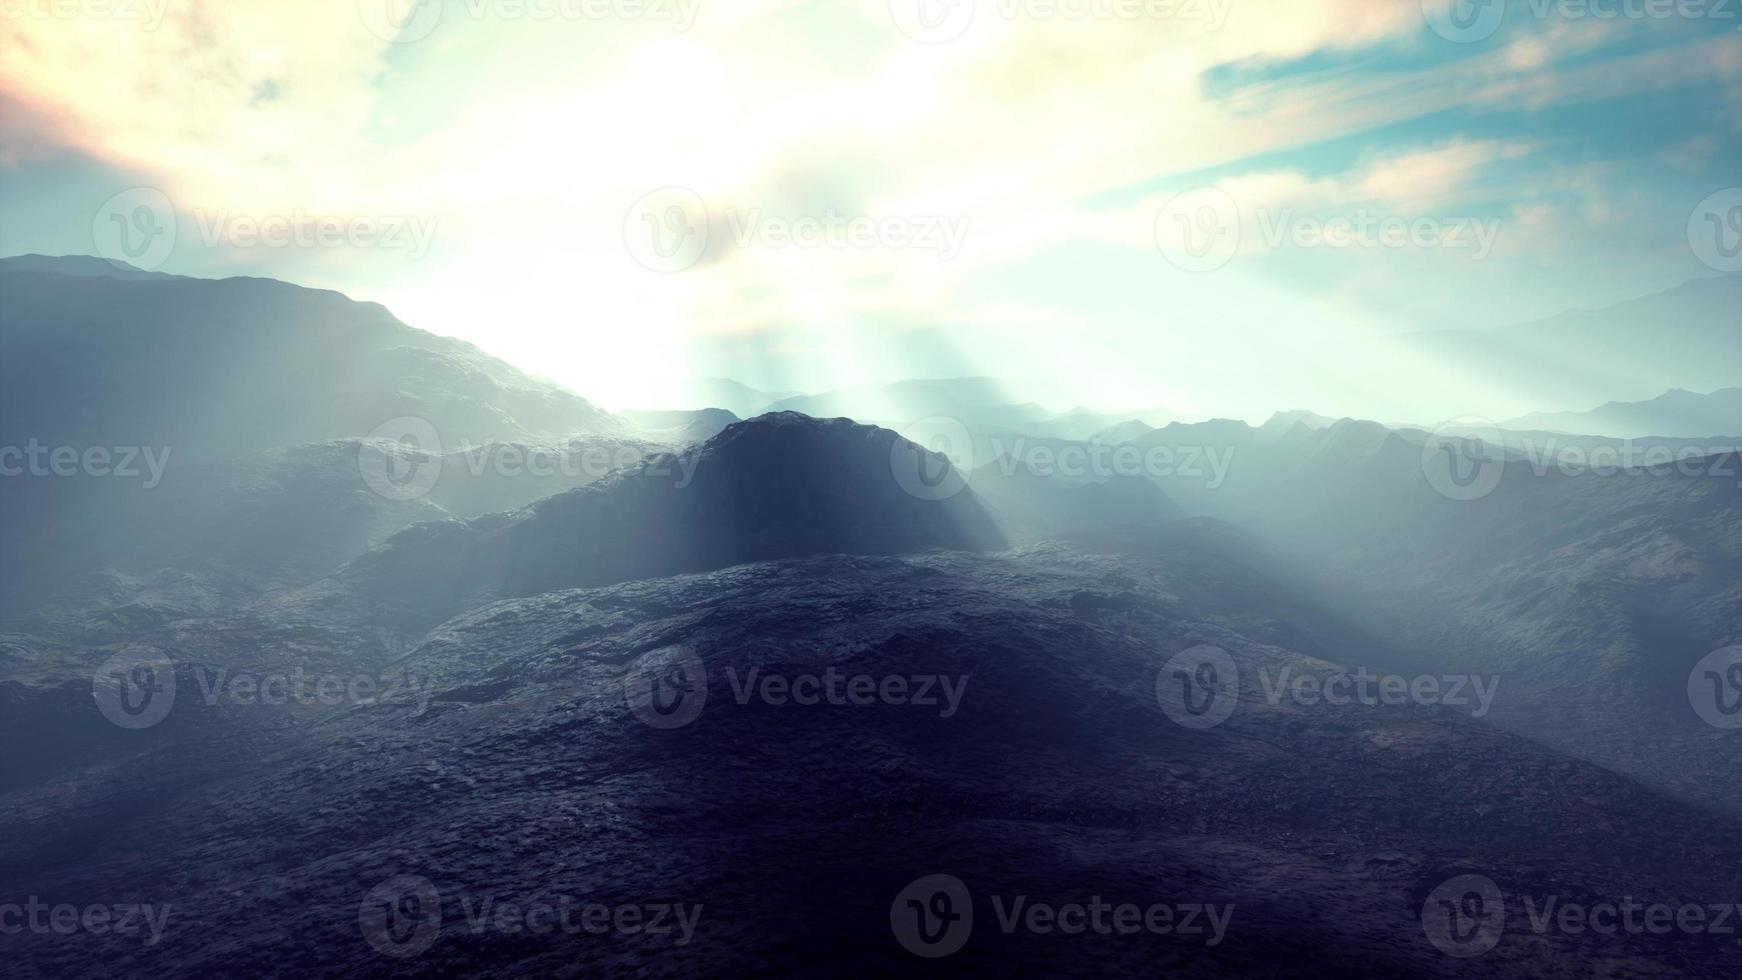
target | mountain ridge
x=1677, y=413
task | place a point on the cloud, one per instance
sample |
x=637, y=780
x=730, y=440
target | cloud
x=179, y=98
x=532, y=140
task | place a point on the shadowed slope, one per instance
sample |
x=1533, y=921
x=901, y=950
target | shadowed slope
x=782, y=485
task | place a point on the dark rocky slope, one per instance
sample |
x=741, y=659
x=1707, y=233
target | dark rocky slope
x=781, y=485
x=522, y=774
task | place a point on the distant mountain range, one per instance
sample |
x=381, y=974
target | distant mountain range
x=983, y=405
x=1680, y=340
x=1686, y=338
x=974, y=401
x=736, y=397
x=1674, y=413
x=1135, y=431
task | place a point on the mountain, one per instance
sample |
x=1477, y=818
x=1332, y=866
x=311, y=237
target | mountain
x=1019, y=735
x=1283, y=421
x=1085, y=424
x=736, y=397
x=587, y=677
x=513, y=762
x=1673, y=413
x=1123, y=432
x=1593, y=594
x=245, y=409
x=1592, y=591
x=1685, y=337
x=972, y=401
x=216, y=368
x=780, y=485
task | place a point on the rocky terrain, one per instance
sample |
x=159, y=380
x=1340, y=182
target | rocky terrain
x=526, y=689
x=522, y=770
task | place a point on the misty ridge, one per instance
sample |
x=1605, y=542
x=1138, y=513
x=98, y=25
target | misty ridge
x=378, y=588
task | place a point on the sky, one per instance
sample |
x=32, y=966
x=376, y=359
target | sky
x=1209, y=206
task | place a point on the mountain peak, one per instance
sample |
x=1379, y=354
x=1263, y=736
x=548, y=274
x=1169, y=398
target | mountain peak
x=781, y=485
x=1284, y=421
